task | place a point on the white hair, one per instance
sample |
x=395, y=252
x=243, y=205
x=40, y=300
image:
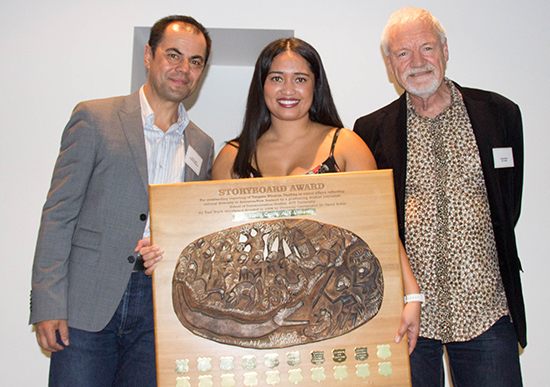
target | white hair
x=408, y=14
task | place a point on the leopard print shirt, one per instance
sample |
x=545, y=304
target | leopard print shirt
x=449, y=235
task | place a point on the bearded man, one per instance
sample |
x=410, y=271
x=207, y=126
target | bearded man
x=457, y=159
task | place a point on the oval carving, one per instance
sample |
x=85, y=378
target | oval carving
x=277, y=283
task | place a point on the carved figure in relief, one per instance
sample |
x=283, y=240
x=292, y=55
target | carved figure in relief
x=277, y=283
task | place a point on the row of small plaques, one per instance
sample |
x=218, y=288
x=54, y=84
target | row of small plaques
x=295, y=376
x=271, y=360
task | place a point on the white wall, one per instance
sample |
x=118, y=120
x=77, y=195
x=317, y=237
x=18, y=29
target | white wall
x=59, y=52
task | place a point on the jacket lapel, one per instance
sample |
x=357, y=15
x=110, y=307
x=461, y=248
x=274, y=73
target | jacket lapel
x=483, y=126
x=400, y=140
x=130, y=119
x=394, y=143
x=190, y=140
x=488, y=136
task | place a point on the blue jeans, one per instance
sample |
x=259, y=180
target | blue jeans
x=122, y=354
x=489, y=360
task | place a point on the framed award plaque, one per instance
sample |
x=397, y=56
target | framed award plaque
x=279, y=282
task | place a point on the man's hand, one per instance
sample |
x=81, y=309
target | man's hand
x=46, y=334
x=151, y=254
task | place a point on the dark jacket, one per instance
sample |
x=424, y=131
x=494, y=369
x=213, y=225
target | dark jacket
x=496, y=122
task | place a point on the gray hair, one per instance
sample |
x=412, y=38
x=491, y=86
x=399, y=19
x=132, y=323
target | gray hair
x=408, y=14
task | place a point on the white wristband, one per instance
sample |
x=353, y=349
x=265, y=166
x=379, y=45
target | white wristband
x=414, y=298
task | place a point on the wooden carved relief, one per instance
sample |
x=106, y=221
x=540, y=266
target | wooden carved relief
x=277, y=283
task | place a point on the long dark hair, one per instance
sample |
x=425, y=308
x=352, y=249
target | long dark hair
x=257, y=118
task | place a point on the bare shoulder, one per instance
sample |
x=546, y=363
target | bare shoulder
x=223, y=165
x=351, y=152
x=348, y=142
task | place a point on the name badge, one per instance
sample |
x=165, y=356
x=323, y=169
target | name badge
x=503, y=157
x=193, y=159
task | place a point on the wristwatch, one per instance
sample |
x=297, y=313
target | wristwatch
x=414, y=298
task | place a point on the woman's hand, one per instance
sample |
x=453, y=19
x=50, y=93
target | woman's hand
x=151, y=254
x=410, y=324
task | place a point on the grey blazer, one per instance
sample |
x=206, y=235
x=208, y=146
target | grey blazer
x=96, y=211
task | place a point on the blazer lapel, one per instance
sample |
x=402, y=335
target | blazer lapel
x=187, y=172
x=130, y=119
x=190, y=139
x=394, y=140
x=483, y=127
x=486, y=131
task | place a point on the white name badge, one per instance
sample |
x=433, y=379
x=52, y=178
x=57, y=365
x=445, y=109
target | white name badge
x=503, y=157
x=193, y=159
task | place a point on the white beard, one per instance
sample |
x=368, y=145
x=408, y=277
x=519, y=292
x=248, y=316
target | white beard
x=428, y=87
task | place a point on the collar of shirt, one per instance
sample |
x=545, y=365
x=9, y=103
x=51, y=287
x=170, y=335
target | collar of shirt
x=456, y=99
x=148, y=116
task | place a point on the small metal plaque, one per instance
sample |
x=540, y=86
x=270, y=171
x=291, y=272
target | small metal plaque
x=182, y=366
x=384, y=351
x=238, y=216
x=385, y=369
x=339, y=355
x=318, y=374
x=362, y=370
x=205, y=381
x=250, y=379
x=340, y=372
x=226, y=363
x=204, y=364
x=293, y=358
x=228, y=380
x=361, y=353
x=317, y=357
x=271, y=360
x=249, y=362
x=295, y=376
x=183, y=381
x=273, y=378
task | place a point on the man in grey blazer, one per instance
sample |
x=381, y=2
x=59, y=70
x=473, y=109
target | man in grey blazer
x=91, y=299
